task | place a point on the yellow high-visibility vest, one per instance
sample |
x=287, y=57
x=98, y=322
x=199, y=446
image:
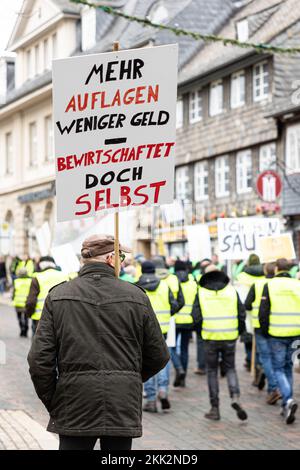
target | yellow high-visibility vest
x=220, y=313
x=159, y=300
x=21, y=291
x=46, y=279
x=173, y=283
x=258, y=288
x=247, y=279
x=189, y=290
x=285, y=307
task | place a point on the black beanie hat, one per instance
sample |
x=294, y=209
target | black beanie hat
x=148, y=267
x=180, y=265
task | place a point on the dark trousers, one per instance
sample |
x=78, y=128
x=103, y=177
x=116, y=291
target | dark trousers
x=34, y=325
x=88, y=443
x=213, y=351
x=23, y=320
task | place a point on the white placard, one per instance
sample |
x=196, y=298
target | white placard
x=43, y=237
x=238, y=237
x=66, y=258
x=114, y=130
x=171, y=336
x=199, y=245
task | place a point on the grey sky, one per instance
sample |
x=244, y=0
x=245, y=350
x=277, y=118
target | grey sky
x=8, y=17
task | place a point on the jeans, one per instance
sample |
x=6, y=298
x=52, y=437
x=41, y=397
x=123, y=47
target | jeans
x=158, y=383
x=264, y=351
x=180, y=361
x=88, y=443
x=200, y=353
x=282, y=352
x=213, y=351
x=2, y=284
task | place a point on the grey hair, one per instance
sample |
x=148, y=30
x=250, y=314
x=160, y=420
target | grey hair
x=96, y=259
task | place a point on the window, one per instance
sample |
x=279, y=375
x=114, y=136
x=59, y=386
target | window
x=54, y=45
x=293, y=149
x=195, y=106
x=32, y=144
x=88, y=28
x=216, y=98
x=36, y=59
x=242, y=30
x=8, y=153
x=243, y=171
x=182, y=183
x=260, y=81
x=179, y=113
x=267, y=157
x=201, y=181
x=46, y=55
x=222, y=176
x=237, y=95
x=48, y=139
x=29, y=63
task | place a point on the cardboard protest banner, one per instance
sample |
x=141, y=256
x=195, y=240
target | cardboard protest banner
x=199, y=245
x=238, y=237
x=272, y=248
x=114, y=130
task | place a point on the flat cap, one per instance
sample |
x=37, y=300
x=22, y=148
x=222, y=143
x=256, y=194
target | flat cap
x=96, y=245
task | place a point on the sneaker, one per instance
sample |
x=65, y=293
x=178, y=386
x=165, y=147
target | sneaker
x=241, y=414
x=150, y=406
x=273, y=397
x=164, y=401
x=290, y=410
x=213, y=414
x=199, y=371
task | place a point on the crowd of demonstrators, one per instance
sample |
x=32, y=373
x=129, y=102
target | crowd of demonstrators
x=260, y=304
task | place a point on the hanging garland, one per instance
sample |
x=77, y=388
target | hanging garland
x=259, y=47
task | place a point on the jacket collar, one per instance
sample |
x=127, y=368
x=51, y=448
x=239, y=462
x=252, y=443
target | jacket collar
x=97, y=268
x=283, y=274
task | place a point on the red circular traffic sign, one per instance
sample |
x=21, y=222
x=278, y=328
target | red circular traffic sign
x=269, y=185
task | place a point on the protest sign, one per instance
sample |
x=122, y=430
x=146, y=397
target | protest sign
x=238, y=237
x=43, y=237
x=199, y=245
x=66, y=258
x=272, y=248
x=114, y=130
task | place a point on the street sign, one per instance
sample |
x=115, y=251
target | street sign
x=115, y=126
x=238, y=237
x=269, y=185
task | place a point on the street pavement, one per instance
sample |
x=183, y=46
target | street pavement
x=23, y=417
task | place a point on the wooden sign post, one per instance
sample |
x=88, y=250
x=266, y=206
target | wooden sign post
x=116, y=47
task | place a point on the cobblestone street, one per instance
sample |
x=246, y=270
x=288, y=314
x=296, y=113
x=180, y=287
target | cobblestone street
x=23, y=418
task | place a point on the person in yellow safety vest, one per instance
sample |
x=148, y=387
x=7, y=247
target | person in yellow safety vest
x=252, y=271
x=252, y=304
x=162, y=272
x=164, y=305
x=279, y=317
x=28, y=264
x=184, y=322
x=21, y=287
x=219, y=317
x=72, y=275
x=42, y=281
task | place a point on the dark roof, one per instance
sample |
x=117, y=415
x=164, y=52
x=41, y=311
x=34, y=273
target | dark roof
x=194, y=15
x=67, y=7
